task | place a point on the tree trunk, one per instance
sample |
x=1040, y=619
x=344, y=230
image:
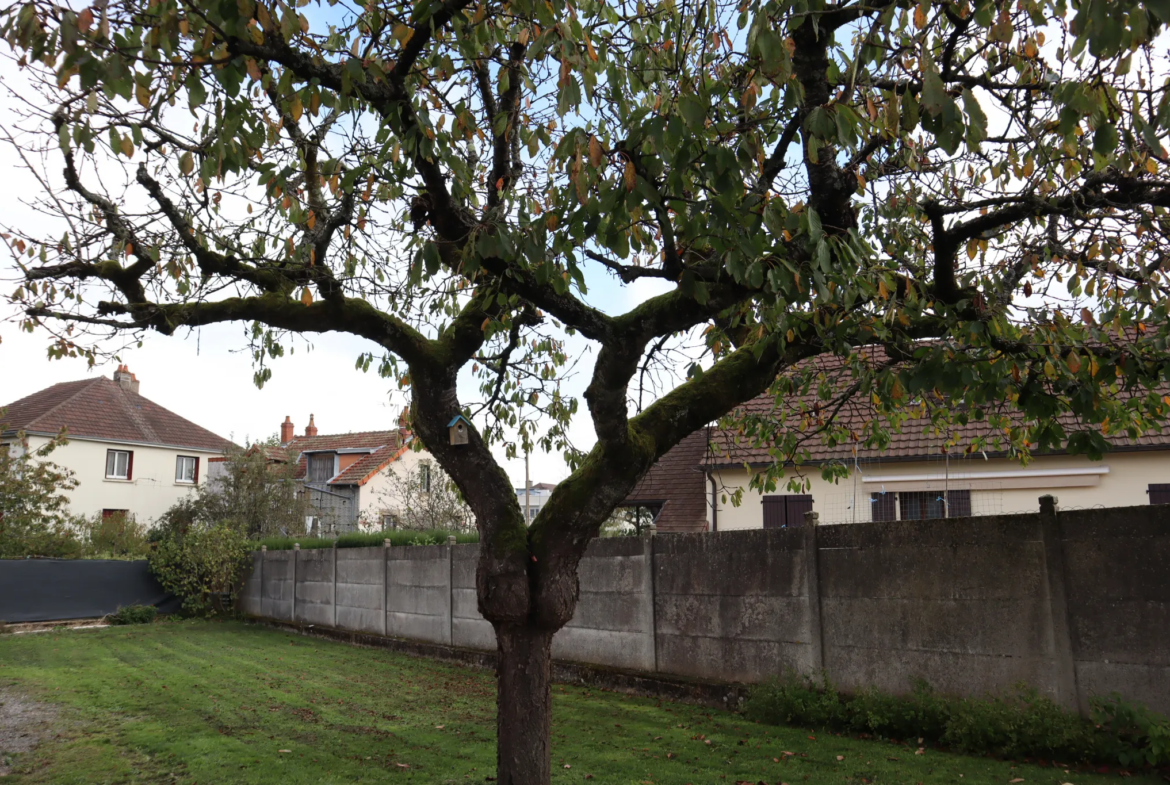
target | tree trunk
x=524, y=713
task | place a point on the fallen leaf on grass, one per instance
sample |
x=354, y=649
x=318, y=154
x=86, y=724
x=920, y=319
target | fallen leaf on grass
x=440, y=727
x=567, y=766
x=840, y=757
x=1017, y=779
x=284, y=750
x=402, y=765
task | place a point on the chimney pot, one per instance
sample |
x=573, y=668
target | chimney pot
x=287, y=430
x=311, y=428
x=125, y=379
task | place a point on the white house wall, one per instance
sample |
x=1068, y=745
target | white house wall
x=149, y=493
x=378, y=494
x=1124, y=482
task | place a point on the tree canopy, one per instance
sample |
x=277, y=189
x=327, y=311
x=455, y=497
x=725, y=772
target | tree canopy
x=448, y=178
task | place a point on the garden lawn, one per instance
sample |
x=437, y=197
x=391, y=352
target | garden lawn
x=199, y=702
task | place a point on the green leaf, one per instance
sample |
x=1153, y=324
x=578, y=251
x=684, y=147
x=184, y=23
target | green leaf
x=815, y=231
x=693, y=111
x=1105, y=140
x=934, y=94
x=976, y=120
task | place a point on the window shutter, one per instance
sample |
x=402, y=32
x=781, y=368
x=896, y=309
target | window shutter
x=130, y=465
x=775, y=512
x=196, y=470
x=958, y=504
x=1159, y=493
x=883, y=506
x=798, y=505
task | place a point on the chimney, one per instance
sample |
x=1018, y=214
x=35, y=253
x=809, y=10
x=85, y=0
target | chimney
x=125, y=379
x=310, y=429
x=287, y=430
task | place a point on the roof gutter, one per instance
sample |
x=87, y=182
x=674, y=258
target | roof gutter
x=72, y=438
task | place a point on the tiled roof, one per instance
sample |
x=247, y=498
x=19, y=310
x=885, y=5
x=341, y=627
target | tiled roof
x=916, y=438
x=384, y=446
x=676, y=482
x=102, y=409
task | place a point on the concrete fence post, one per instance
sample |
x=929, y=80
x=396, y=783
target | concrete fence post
x=812, y=587
x=650, y=621
x=1067, y=692
x=263, y=558
x=296, y=558
x=385, y=583
x=334, y=598
x=450, y=589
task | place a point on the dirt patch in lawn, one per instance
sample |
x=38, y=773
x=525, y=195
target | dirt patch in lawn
x=23, y=723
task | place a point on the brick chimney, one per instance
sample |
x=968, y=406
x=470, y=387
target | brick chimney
x=310, y=429
x=287, y=430
x=125, y=379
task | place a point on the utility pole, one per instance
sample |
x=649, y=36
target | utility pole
x=527, y=487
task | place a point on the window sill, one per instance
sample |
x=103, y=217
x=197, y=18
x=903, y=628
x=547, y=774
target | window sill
x=118, y=479
x=186, y=483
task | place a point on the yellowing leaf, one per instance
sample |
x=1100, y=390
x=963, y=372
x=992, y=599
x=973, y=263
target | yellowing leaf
x=883, y=292
x=311, y=220
x=631, y=176
x=142, y=93
x=85, y=20
x=296, y=109
x=596, y=156
x=919, y=16
x=127, y=146
x=1030, y=49
x=306, y=296
x=1074, y=362
x=186, y=163
x=589, y=48
x=253, y=69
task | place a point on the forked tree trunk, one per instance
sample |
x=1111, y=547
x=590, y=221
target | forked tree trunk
x=524, y=714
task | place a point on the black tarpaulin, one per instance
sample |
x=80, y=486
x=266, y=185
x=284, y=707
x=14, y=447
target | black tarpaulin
x=55, y=589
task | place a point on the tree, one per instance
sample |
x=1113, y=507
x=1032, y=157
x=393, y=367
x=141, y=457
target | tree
x=423, y=497
x=261, y=495
x=446, y=178
x=34, y=502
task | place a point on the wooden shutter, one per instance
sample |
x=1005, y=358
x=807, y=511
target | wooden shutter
x=1159, y=493
x=797, y=506
x=958, y=504
x=196, y=470
x=775, y=512
x=130, y=465
x=882, y=506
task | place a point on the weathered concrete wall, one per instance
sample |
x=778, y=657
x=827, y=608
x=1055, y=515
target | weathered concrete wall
x=468, y=628
x=315, y=586
x=733, y=605
x=252, y=590
x=361, y=589
x=964, y=606
x=418, y=593
x=1117, y=570
x=614, y=621
x=1075, y=603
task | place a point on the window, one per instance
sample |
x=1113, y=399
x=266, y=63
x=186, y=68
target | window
x=781, y=512
x=919, y=505
x=532, y=513
x=186, y=469
x=1159, y=493
x=115, y=513
x=321, y=467
x=424, y=477
x=119, y=465
x=389, y=521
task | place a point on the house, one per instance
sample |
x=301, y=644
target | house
x=535, y=498
x=128, y=454
x=352, y=480
x=919, y=475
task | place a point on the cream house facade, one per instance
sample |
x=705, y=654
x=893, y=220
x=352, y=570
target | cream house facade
x=922, y=474
x=127, y=453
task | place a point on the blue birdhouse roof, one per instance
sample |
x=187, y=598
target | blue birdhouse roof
x=458, y=417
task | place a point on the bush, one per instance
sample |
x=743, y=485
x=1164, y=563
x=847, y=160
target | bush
x=397, y=537
x=134, y=614
x=117, y=536
x=1021, y=724
x=202, y=565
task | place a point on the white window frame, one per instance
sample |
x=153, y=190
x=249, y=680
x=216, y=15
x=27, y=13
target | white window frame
x=180, y=463
x=424, y=477
x=112, y=464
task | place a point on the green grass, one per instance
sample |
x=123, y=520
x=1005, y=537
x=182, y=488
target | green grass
x=397, y=538
x=204, y=702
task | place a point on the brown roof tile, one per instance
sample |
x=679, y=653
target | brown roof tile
x=384, y=448
x=676, y=482
x=102, y=409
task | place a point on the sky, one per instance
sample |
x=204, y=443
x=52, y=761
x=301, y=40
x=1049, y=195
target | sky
x=206, y=375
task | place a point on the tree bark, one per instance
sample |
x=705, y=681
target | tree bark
x=524, y=712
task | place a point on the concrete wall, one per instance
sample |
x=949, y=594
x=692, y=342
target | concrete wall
x=1076, y=603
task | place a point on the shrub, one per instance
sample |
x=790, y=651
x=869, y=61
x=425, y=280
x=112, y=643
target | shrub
x=397, y=537
x=115, y=536
x=202, y=565
x=134, y=614
x=1020, y=724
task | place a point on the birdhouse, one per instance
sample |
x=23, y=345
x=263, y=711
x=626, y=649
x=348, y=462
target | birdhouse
x=459, y=429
